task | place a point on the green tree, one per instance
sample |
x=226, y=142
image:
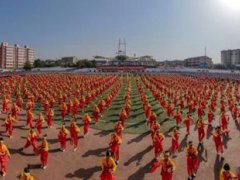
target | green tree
x=85, y=63
x=27, y=66
x=38, y=63
x=93, y=63
x=58, y=62
x=79, y=64
x=218, y=66
x=121, y=57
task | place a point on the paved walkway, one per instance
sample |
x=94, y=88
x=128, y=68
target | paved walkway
x=136, y=155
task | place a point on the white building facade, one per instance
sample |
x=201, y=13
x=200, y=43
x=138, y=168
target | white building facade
x=14, y=57
x=230, y=57
x=129, y=61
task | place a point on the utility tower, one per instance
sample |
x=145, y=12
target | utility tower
x=122, y=46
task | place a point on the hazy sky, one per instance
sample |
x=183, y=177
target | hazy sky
x=166, y=29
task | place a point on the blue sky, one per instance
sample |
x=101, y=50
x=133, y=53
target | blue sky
x=166, y=29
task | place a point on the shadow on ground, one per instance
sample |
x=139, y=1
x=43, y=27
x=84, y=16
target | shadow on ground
x=84, y=174
x=138, y=157
x=138, y=138
x=95, y=152
x=140, y=173
x=217, y=166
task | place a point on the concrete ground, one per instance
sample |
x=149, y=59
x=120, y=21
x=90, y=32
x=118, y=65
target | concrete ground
x=136, y=155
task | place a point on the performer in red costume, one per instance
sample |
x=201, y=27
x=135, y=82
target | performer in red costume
x=50, y=117
x=101, y=106
x=114, y=145
x=152, y=118
x=4, y=157
x=178, y=117
x=20, y=102
x=96, y=113
x=32, y=140
x=39, y=123
x=217, y=137
x=30, y=118
x=74, y=131
x=43, y=150
x=147, y=110
x=201, y=132
x=210, y=119
x=224, y=121
x=82, y=103
x=158, y=143
x=188, y=122
x=29, y=105
x=86, y=124
x=9, y=125
x=108, y=167
x=127, y=107
x=52, y=102
x=175, y=140
x=123, y=116
x=46, y=105
x=75, y=107
x=62, y=137
x=168, y=166
x=118, y=129
x=63, y=111
x=15, y=109
x=5, y=107
x=154, y=128
x=226, y=174
x=170, y=110
x=192, y=160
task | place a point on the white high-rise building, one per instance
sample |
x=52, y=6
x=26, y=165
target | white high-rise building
x=14, y=57
x=230, y=57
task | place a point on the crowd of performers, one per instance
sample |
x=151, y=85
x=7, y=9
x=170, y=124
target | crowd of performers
x=69, y=98
x=204, y=95
x=70, y=94
x=183, y=94
x=111, y=160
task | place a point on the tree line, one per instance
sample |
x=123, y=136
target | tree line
x=38, y=63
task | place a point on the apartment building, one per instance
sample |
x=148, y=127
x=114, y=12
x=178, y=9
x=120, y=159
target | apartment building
x=14, y=57
x=230, y=57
